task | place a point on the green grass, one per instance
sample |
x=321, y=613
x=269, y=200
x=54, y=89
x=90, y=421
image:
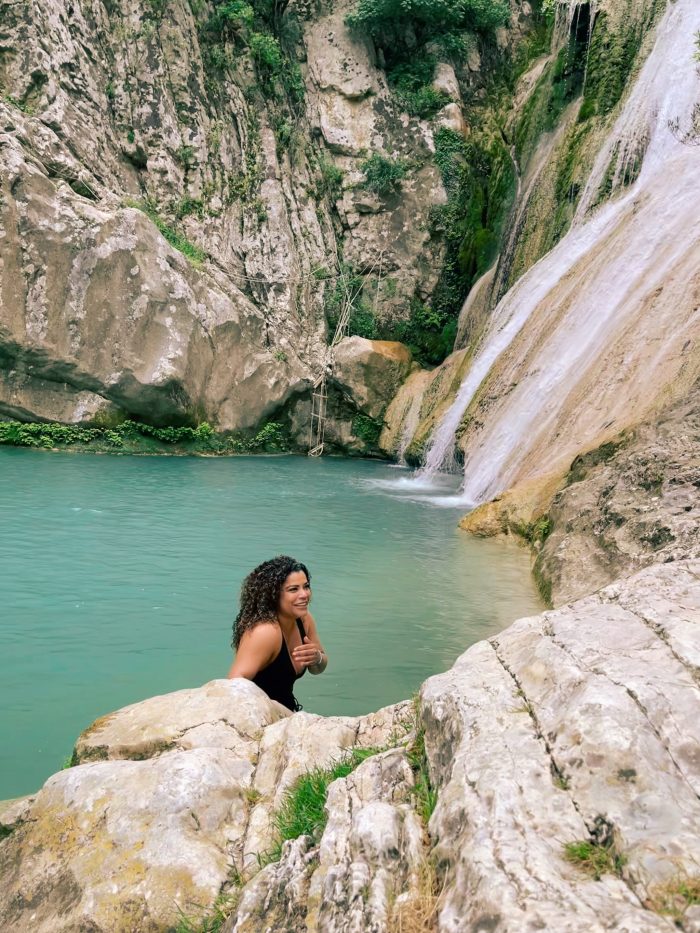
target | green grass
x=303, y=809
x=210, y=920
x=594, y=859
x=425, y=795
x=176, y=239
x=382, y=176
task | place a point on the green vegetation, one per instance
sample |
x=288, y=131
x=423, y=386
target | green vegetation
x=330, y=183
x=212, y=920
x=261, y=28
x=70, y=761
x=135, y=437
x=595, y=859
x=387, y=21
x=543, y=584
x=479, y=177
x=537, y=532
x=13, y=102
x=366, y=429
x=403, y=30
x=411, y=83
x=185, y=155
x=611, y=59
x=425, y=795
x=176, y=239
x=349, y=286
x=244, y=186
x=5, y=831
x=382, y=176
x=303, y=810
x=428, y=333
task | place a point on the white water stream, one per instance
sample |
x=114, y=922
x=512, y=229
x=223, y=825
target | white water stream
x=609, y=289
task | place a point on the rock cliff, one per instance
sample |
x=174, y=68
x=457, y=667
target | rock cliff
x=183, y=216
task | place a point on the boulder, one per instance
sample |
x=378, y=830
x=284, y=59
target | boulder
x=371, y=371
x=445, y=81
x=368, y=860
x=451, y=118
x=125, y=845
x=230, y=714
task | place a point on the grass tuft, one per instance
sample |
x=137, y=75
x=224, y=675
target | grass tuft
x=418, y=913
x=176, y=239
x=209, y=920
x=425, y=795
x=595, y=859
x=675, y=896
x=303, y=810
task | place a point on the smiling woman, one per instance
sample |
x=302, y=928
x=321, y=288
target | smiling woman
x=274, y=633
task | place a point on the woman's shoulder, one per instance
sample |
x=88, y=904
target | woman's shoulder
x=267, y=632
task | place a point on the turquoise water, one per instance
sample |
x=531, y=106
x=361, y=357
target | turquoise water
x=119, y=578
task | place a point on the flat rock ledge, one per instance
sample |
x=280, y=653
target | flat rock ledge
x=581, y=724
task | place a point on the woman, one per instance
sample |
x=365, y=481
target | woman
x=274, y=633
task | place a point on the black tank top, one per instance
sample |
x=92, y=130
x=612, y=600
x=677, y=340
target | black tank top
x=277, y=679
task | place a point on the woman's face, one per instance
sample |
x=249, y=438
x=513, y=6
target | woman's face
x=295, y=595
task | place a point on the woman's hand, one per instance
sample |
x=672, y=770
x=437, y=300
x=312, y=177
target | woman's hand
x=311, y=655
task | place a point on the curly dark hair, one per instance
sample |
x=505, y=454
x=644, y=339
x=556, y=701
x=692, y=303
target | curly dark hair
x=260, y=593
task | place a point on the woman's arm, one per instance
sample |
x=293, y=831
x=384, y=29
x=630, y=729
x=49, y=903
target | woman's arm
x=311, y=652
x=258, y=648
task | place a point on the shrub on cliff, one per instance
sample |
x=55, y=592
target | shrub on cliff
x=382, y=176
x=383, y=19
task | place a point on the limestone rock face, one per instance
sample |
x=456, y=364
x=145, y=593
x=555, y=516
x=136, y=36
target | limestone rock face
x=228, y=714
x=140, y=147
x=122, y=845
x=352, y=109
x=626, y=504
x=181, y=803
x=580, y=724
x=116, y=315
x=370, y=854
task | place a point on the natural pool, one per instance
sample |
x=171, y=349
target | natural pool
x=119, y=578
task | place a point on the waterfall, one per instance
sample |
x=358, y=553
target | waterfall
x=577, y=305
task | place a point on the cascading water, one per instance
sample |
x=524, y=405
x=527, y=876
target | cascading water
x=576, y=365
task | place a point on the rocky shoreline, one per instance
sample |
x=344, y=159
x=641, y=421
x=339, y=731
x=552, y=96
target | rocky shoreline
x=575, y=731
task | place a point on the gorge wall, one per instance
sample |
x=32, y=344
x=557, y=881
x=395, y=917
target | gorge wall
x=183, y=217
